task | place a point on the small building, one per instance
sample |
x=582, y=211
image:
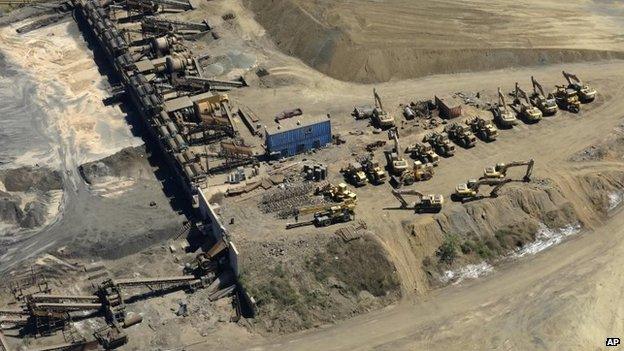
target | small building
x=293, y=137
x=449, y=107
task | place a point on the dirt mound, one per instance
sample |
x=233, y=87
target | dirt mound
x=130, y=163
x=368, y=41
x=31, y=179
x=304, y=283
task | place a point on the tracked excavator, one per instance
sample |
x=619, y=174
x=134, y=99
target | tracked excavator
x=381, y=117
x=521, y=103
x=585, y=92
x=423, y=153
x=328, y=215
x=396, y=162
x=502, y=114
x=500, y=170
x=441, y=143
x=461, y=135
x=375, y=173
x=431, y=203
x=485, y=130
x=424, y=203
x=470, y=190
x=545, y=102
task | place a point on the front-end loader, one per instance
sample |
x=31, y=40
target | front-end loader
x=440, y=143
x=423, y=153
x=354, y=173
x=482, y=128
x=373, y=170
x=462, y=135
x=567, y=99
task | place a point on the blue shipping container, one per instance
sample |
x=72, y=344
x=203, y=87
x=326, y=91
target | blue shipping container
x=293, y=138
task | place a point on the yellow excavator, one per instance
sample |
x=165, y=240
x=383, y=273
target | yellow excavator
x=380, y=117
x=545, y=102
x=470, y=190
x=326, y=215
x=528, y=112
x=424, y=203
x=396, y=161
x=500, y=170
x=584, y=91
x=502, y=114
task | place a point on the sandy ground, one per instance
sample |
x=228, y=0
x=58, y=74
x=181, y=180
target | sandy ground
x=563, y=299
x=397, y=39
x=534, y=304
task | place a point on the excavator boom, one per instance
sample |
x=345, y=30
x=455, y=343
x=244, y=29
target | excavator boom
x=537, y=87
x=377, y=99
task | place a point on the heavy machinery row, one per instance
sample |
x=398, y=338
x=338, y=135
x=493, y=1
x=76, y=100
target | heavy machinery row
x=426, y=154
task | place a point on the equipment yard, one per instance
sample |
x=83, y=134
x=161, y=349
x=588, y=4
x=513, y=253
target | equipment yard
x=233, y=175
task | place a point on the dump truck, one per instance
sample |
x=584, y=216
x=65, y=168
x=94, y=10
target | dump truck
x=423, y=203
x=375, y=173
x=585, y=92
x=500, y=170
x=523, y=107
x=380, y=117
x=337, y=193
x=482, y=128
x=567, y=99
x=462, y=135
x=423, y=153
x=502, y=113
x=470, y=190
x=545, y=102
x=330, y=215
x=354, y=173
x=440, y=143
x=396, y=161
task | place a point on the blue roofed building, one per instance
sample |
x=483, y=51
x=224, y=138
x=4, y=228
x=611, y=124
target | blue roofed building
x=296, y=136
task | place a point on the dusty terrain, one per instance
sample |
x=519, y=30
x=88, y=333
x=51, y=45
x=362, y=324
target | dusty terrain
x=396, y=39
x=309, y=277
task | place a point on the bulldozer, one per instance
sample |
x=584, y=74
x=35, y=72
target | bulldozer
x=423, y=153
x=461, y=135
x=422, y=171
x=424, y=203
x=485, y=130
x=585, y=92
x=380, y=117
x=328, y=215
x=440, y=143
x=337, y=193
x=500, y=170
x=567, y=99
x=502, y=114
x=375, y=173
x=523, y=107
x=546, y=103
x=470, y=190
x=355, y=174
x=396, y=162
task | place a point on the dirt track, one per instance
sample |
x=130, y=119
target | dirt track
x=565, y=299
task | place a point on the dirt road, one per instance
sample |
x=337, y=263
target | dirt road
x=567, y=298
